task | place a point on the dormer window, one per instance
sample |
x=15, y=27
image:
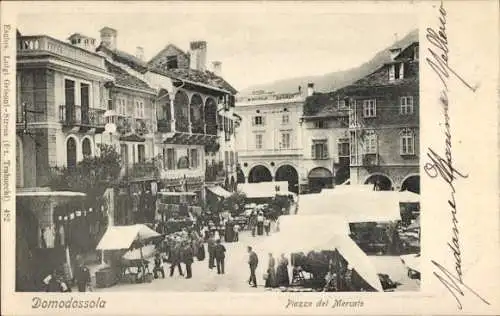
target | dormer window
x=396, y=71
x=172, y=62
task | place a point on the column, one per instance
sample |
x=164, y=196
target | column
x=172, y=113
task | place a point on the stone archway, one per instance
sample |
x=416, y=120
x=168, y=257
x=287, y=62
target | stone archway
x=342, y=175
x=320, y=178
x=259, y=173
x=380, y=182
x=86, y=148
x=71, y=155
x=181, y=111
x=210, y=116
x=288, y=173
x=411, y=183
x=163, y=111
x=196, y=114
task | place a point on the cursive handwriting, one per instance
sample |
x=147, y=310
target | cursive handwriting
x=444, y=167
x=439, y=61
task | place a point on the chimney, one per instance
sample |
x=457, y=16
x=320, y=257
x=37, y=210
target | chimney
x=310, y=89
x=394, y=53
x=82, y=41
x=108, y=37
x=198, y=55
x=217, y=68
x=139, y=53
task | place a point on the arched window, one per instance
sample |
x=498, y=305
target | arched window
x=86, y=148
x=407, y=142
x=371, y=142
x=71, y=153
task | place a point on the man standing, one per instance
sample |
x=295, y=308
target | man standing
x=82, y=277
x=187, y=257
x=175, y=258
x=253, y=261
x=220, y=255
x=211, y=247
x=236, y=230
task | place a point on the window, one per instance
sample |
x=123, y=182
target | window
x=139, y=109
x=226, y=158
x=258, y=141
x=343, y=147
x=285, y=119
x=396, y=71
x=406, y=105
x=141, y=153
x=285, y=141
x=258, y=120
x=341, y=104
x=193, y=162
x=121, y=106
x=370, y=142
x=172, y=62
x=369, y=108
x=319, y=149
x=407, y=141
x=319, y=124
x=171, y=159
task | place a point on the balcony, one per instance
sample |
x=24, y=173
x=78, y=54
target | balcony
x=29, y=46
x=143, y=126
x=142, y=170
x=75, y=116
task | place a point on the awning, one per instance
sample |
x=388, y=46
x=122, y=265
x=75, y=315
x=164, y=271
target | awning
x=122, y=237
x=219, y=191
x=287, y=243
x=355, y=207
x=262, y=189
x=135, y=254
x=164, y=193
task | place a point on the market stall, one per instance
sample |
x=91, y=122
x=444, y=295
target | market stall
x=177, y=210
x=314, y=254
x=126, y=248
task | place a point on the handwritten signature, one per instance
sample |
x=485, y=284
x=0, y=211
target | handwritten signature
x=443, y=167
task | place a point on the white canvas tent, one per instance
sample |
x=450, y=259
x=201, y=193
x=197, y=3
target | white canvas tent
x=262, y=189
x=122, y=237
x=355, y=206
x=287, y=243
x=315, y=224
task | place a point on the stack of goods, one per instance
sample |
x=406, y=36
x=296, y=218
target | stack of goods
x=177, y=224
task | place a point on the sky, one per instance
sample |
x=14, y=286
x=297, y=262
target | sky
x=256, y=42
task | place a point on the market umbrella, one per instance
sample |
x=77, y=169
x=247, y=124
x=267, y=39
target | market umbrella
x=123, y=237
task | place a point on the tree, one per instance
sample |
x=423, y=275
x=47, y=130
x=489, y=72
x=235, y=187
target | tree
x=92, y=175
x=235, y=202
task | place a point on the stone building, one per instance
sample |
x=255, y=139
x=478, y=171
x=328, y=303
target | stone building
x=326, y=142
x=269, y=138
x=384, y=123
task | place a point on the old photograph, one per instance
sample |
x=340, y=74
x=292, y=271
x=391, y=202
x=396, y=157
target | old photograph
x=224, y=152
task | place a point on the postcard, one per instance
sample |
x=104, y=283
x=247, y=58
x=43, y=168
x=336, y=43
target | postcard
x=250, y=158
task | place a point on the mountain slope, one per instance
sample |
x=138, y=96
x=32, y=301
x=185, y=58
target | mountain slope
x=334, y=80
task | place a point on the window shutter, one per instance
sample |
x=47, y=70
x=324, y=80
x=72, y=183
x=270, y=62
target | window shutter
x=325, y=150
x=374, y=107
x=253, y=120
x=392, y=74
x=313, y=153
x=401, y=71
x=263, y=120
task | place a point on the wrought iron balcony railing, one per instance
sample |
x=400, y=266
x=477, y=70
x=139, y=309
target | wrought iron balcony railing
x=75, y=115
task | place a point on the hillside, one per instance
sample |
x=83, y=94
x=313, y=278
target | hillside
x=334, y=80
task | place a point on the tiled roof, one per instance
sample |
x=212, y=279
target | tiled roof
x=123, y=78
x=323, y=104
x=381, y=77
x=197, y=76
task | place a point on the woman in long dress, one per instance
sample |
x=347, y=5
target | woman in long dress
x=271, y=272
x=282, y=272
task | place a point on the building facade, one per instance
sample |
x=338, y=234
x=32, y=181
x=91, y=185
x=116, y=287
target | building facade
x=384, y=124
x=326, y=142
x=269, y=139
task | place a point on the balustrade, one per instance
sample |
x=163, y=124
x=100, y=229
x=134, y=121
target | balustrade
x=34, y=44
x=74, y=115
